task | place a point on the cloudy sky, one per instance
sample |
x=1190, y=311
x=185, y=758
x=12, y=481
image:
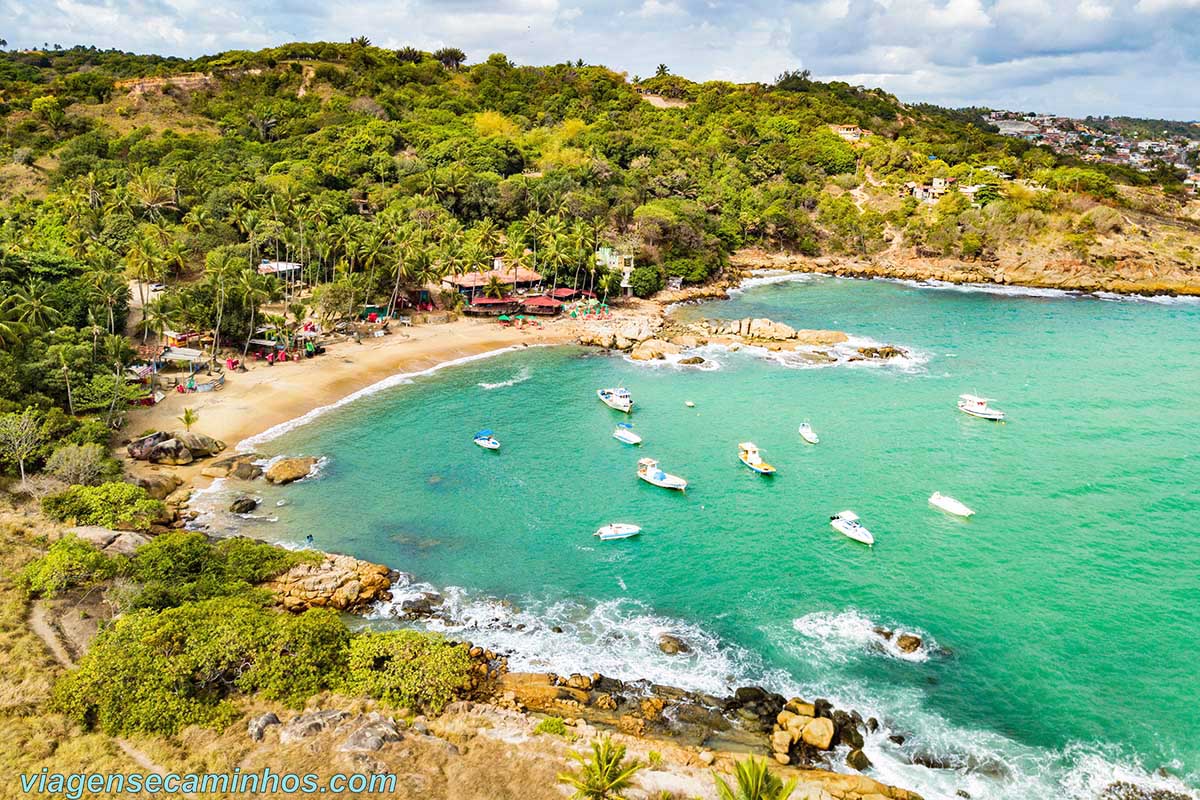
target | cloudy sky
x=1138, y=57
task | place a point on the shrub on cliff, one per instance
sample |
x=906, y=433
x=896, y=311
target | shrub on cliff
x=183, y=566
x=602, y=775
x=408, y=669
x=111, y=505
x=158, y=672
x=69, y=562
x=645, y=281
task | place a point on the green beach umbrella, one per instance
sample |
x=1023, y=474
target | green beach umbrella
x=504, y=317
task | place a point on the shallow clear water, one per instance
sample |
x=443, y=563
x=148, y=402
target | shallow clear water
x=1060, y=621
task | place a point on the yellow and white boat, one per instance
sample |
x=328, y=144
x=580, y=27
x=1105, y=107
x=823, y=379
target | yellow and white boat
x=748, y=454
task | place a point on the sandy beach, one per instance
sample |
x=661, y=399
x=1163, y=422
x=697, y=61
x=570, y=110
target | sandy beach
x=265, y=396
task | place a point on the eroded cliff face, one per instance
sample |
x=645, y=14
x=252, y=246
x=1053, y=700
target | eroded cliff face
x=1126, y=271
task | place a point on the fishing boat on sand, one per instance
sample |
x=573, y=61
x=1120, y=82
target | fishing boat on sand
x=748, y=454
x=808, y=434
x=949, y=505
x=624, y=433
x=618, y=398
x=487, y=440
x=648, y=471
x=848, y=524
x=617, y=530
x=978, y=407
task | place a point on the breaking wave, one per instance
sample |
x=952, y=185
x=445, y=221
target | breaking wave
x=522, y=375
x=843, y=635
x=914, y=747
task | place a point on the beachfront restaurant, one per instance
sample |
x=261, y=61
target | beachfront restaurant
x=482, y=306
x=541, y=305
x=472, y=283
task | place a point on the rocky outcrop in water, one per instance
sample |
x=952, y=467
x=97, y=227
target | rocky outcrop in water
x=289, y=470
x=336, y=581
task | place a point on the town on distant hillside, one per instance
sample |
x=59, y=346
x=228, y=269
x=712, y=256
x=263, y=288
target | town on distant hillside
x=1172, y=146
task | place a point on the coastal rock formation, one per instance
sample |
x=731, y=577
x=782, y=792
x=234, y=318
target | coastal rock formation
x=672, y=645
x=174, y=449
x=624, y=337
x=170, y=452
x=139, y=449
x=884, y=352
x=110, y=542
x=201, y=446
x=159, y=485
x=338, y=582
x=767, y=331
x=653, y=349
x=288, y=470
x=243, y=504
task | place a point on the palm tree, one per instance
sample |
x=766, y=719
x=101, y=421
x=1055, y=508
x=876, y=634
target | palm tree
x=257, y=289
x=602, y=776
x=495, y=288
x=662, y=70
x=189, y=418
x=755, y=782
x=11, y=328
x=32, y=304
x=220, y=272
x=157, y=316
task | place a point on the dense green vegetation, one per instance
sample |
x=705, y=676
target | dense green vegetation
x=383, y=171
x=194, y=633
x=111, y=505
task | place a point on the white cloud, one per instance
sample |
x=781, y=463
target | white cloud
x=1072, y=56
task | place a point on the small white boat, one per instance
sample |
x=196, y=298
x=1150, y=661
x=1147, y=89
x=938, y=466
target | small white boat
x=618, y=399
x=648, y=471
x=624, y=433
x=748, y=454
x=847, y=524
x=486, y=440
x=689, y=404
x=808, y=434
x=949, y=505
x=978, y=407
x=617, y=530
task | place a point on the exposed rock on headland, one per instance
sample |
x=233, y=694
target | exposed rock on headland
x=338, y=582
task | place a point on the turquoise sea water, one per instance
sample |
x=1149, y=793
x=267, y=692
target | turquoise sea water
x=1060, y=622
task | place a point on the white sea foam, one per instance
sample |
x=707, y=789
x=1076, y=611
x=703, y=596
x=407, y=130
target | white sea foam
x=522, y=375
x=766, y=277
x=841, y=636
x=393, y=380
x=619, y=638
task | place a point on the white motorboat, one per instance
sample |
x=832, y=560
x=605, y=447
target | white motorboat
x=748, y=454
x=949, y=505
x=648, y=471
x=617, y=530
x=487, y=440
x=617, y=398
x=847, y=524
x=624, y=433
x=689, y=404
x=808, y=434
x=978, y=407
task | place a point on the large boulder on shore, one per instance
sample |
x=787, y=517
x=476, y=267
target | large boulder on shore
x=631, y=333
x=338, y=582
x=139, y=449
x=201, y=446
x=287, y=470
x=818, y=733
x=653, y=349
x=171, y=452
x=158, y=485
